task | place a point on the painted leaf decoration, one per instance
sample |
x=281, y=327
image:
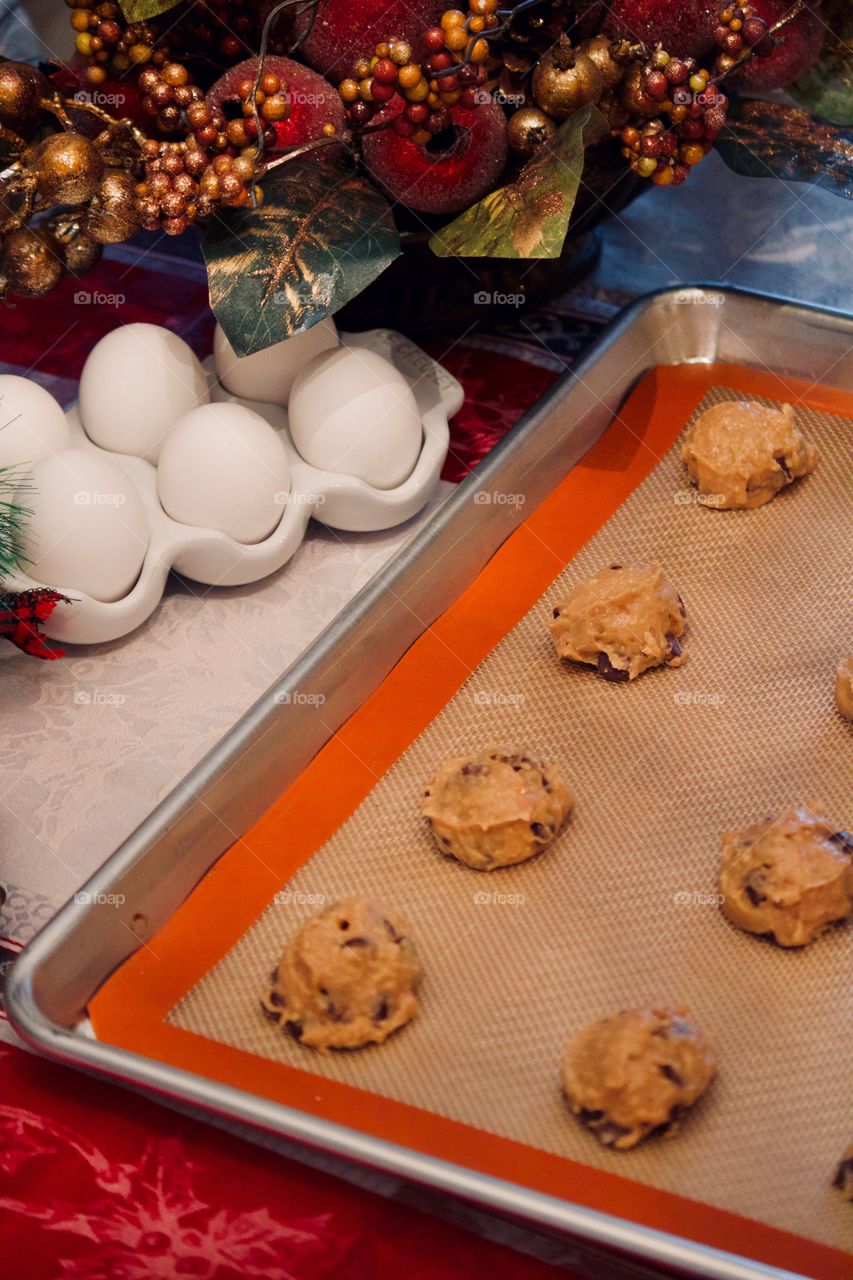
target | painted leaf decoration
x=142, y=10
x=772, y=140
x=321, y=236
x=827, y=90
x=529, y=217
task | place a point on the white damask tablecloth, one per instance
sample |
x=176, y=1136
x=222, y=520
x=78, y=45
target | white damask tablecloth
x=94, y=741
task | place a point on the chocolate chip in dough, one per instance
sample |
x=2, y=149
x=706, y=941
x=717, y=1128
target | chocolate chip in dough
x=671, y=1074
x=474, y=770
x=391, y=931
x=844, y=838
x=611, y=673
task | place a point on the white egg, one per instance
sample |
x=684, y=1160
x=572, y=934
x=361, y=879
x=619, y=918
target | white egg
x=88, y=529
x=353, y=413
x=137, y=381
x=223, y=467
x=32, y=423
x=269, y=375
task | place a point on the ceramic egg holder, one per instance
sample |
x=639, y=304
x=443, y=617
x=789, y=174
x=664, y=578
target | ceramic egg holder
x=206, y=555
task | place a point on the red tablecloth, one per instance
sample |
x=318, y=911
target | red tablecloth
x=98, y=1184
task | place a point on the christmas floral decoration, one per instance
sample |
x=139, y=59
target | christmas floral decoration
x=305, y=134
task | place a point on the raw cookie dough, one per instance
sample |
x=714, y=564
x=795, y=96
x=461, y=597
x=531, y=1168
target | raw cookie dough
x=791, y=877
x=843, y=1179
x=844, y=689
x=741, y=453
x=636, y=1071
x=496, y=808
x=623, y=621
x=347, y=978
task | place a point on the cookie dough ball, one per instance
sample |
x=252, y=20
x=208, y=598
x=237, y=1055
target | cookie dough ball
x=844, y=689
x=624, y=620
x=740, y=454
x=635, y=1072
x=790, y=877
x=347, y=978
x=843, y=1179
x=496, y=808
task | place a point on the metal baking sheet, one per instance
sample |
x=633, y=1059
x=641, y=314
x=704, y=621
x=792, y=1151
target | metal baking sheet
x=154, y=871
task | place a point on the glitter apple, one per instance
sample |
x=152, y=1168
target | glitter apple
x=799, y=45
x=450, y=172
x=345, y=30
x=314, y=103
x=686, y=29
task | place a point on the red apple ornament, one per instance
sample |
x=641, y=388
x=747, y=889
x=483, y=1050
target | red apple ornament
x=683, y=27
x=345, y=30
x=450, y=172
x=799, y=45
x=313, y=102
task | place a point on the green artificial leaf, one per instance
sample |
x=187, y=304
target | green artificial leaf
x=772, y=140
x=321, y=236
x=529, y=217
x=143, y=10
x=827, y=90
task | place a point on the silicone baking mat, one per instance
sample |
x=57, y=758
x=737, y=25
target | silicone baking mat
x=622, y=910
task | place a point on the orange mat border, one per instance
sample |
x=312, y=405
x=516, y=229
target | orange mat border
x=130, y=1009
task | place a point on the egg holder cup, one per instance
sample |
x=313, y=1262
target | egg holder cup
x=205, y=555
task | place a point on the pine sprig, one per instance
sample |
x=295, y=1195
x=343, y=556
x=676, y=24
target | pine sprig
x=13, y=518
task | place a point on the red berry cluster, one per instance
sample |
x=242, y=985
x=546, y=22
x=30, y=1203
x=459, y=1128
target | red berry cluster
x=428, y=90
x=107, y=42
x=206, y=31
x=216, y=164
x=181, y=184
x=168, y=93
x=215, y=134
x=167, y=197
x=174, y=103
x=696, y=110
x=741, y=30
x=227, y=29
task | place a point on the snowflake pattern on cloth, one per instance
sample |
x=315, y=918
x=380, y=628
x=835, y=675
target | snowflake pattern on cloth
x=97, y=1184
x=146, y=1219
